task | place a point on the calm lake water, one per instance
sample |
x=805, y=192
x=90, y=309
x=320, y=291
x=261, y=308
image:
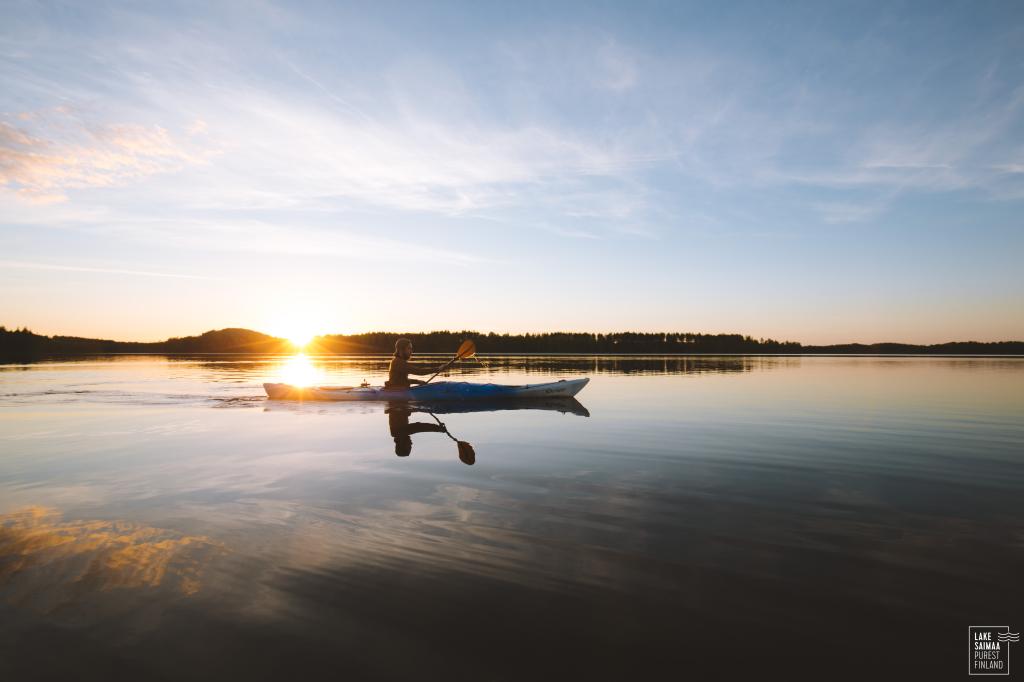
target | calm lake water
x=811, y=517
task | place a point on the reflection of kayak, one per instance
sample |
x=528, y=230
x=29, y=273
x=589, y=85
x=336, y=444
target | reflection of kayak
x=442, y=390
x=563, y=405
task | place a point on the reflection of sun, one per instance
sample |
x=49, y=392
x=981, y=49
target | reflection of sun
x=299, y=370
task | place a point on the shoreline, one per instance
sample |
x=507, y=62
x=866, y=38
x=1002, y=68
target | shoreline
x=645, y=356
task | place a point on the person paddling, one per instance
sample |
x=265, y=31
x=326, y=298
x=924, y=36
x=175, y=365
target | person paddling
x=401, y=368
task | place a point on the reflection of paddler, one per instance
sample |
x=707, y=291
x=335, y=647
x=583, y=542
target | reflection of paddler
x=402, y=430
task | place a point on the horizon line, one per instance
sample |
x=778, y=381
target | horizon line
x=532, y=333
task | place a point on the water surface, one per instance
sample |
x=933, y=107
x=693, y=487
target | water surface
x=808, y=516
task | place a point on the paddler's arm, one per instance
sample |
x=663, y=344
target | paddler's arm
x=423, y=427
x=415, y=368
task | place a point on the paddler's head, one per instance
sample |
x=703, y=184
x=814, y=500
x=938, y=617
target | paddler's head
x=403, y=446
x=403, y=348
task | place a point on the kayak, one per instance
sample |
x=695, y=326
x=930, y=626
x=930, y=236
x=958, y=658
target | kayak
x=442, y=390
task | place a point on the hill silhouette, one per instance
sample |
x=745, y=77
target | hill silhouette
x=24, y=345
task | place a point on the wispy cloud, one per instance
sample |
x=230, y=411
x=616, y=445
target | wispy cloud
x=288, y=235
x=42, y=157
x=286, y=152
x=102, y=271
x=285, y=238
x=839, y=212
x=421, y=136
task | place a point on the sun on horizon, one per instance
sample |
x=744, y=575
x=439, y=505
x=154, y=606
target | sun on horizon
x=300, y=338
x=298, y=330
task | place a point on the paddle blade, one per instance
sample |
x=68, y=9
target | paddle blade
x=467, y=455
x=466, y=350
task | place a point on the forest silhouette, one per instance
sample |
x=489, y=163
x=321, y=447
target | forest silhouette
x=23, y=345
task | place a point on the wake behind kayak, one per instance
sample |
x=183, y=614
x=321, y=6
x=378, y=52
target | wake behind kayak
x=443, y=390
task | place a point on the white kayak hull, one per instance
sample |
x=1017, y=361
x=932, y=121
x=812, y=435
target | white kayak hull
x=442, y=390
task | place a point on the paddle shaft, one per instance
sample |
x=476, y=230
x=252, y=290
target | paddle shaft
x=466, y=350
x=443, y=426
x=446, y=366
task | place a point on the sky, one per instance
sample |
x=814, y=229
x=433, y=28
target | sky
x=821, y=172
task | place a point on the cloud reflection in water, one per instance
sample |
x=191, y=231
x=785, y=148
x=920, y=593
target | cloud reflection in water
x=46, y=562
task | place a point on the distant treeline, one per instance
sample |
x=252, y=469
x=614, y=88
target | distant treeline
x=22, y=344
x=555, y=342
x=660, y=343
x=951, y=348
